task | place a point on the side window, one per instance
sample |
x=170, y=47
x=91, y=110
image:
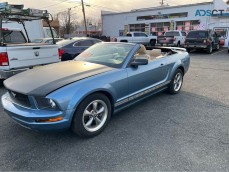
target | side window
x=137, y=34
x=14, y=37
x=83, y=43
x=143, y=35
x=49, y=41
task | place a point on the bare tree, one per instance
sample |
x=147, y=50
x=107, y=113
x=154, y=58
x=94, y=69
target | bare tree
x=67, y=21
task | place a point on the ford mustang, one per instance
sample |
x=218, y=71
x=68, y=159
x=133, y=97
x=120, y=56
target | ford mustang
x=82, y=94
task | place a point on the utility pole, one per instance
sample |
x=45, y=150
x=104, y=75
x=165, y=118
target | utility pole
x=85, y=24
x=162, y=2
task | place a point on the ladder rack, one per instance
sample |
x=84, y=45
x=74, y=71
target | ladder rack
x=17, y=13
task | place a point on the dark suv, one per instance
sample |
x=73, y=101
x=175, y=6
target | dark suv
x=202, y=39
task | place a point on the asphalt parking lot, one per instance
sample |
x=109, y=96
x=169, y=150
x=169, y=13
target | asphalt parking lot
x=188, y=131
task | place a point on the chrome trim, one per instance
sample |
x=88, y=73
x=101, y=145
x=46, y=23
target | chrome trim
x=141, y=93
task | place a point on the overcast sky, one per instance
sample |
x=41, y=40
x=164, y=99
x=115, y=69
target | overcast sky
x=55, y=6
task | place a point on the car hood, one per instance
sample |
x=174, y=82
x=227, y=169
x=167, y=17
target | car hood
x=42, y=80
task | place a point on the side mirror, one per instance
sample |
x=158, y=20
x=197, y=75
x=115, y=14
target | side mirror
x=138, y=62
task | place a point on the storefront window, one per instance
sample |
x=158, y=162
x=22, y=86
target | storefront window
x=137, y=27
x=159, y=28
x=187, y=25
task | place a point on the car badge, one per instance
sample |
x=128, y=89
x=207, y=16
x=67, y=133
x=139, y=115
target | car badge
x=36, y=53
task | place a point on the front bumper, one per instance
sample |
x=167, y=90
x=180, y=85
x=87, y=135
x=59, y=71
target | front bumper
x=4, y=74
x=27, y=117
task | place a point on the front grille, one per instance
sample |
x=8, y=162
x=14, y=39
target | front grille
x=19, y=98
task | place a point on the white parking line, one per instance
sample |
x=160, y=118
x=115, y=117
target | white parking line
x=218, y=52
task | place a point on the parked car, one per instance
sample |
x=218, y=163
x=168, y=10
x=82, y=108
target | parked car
x=70, y=48
x=136, y=37
x=173, y=38
x=46, y=40
x=202, y=39
x=17, y=55
x=83, y=93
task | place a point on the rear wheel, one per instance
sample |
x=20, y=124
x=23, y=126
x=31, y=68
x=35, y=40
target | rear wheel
x=176, y=83
x=188, y=50
x=92, y=115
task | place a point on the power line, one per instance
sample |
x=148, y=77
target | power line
x=56, y=4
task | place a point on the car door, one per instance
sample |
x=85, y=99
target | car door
x=147, y=76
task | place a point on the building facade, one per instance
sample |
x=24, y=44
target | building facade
x=157, y=20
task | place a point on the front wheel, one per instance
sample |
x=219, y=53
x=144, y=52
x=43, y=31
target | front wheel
x=92, y=115
x=217, y=47
x=210, y=49
x=176, y=83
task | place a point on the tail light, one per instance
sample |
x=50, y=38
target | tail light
x=4, y=61
x=115, y=40
x=60, y=52
x=174, y=39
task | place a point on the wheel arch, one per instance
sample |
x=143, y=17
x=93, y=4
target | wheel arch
x=105, y=92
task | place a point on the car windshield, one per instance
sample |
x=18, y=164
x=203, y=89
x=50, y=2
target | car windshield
x=109, y=54
x=197, y=34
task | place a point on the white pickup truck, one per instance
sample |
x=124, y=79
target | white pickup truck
x=16, y=55
x=173, y=38
x=136, y=37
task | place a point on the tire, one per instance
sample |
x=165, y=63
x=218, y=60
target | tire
x=87, y=122
x=175, y=85
x=152, y=42
x=217, y=47
x=188, y=50
x=210, y=49
x=178, y=44
x=228, y=50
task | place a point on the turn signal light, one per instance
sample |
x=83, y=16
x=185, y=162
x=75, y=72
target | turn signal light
x=4, y=61
x=50, y=120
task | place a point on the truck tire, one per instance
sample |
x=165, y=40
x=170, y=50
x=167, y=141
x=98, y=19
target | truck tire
x=210, y=49
x=123, y=41
x=152, y=42
x=178, y=44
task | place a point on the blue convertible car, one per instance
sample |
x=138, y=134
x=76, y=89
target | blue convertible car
x=83, y=93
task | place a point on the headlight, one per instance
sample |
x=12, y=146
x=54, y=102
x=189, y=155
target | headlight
x=45, y=103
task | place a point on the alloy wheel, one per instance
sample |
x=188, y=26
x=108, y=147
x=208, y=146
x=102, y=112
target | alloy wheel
x=95, y=115
x=178, y=79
